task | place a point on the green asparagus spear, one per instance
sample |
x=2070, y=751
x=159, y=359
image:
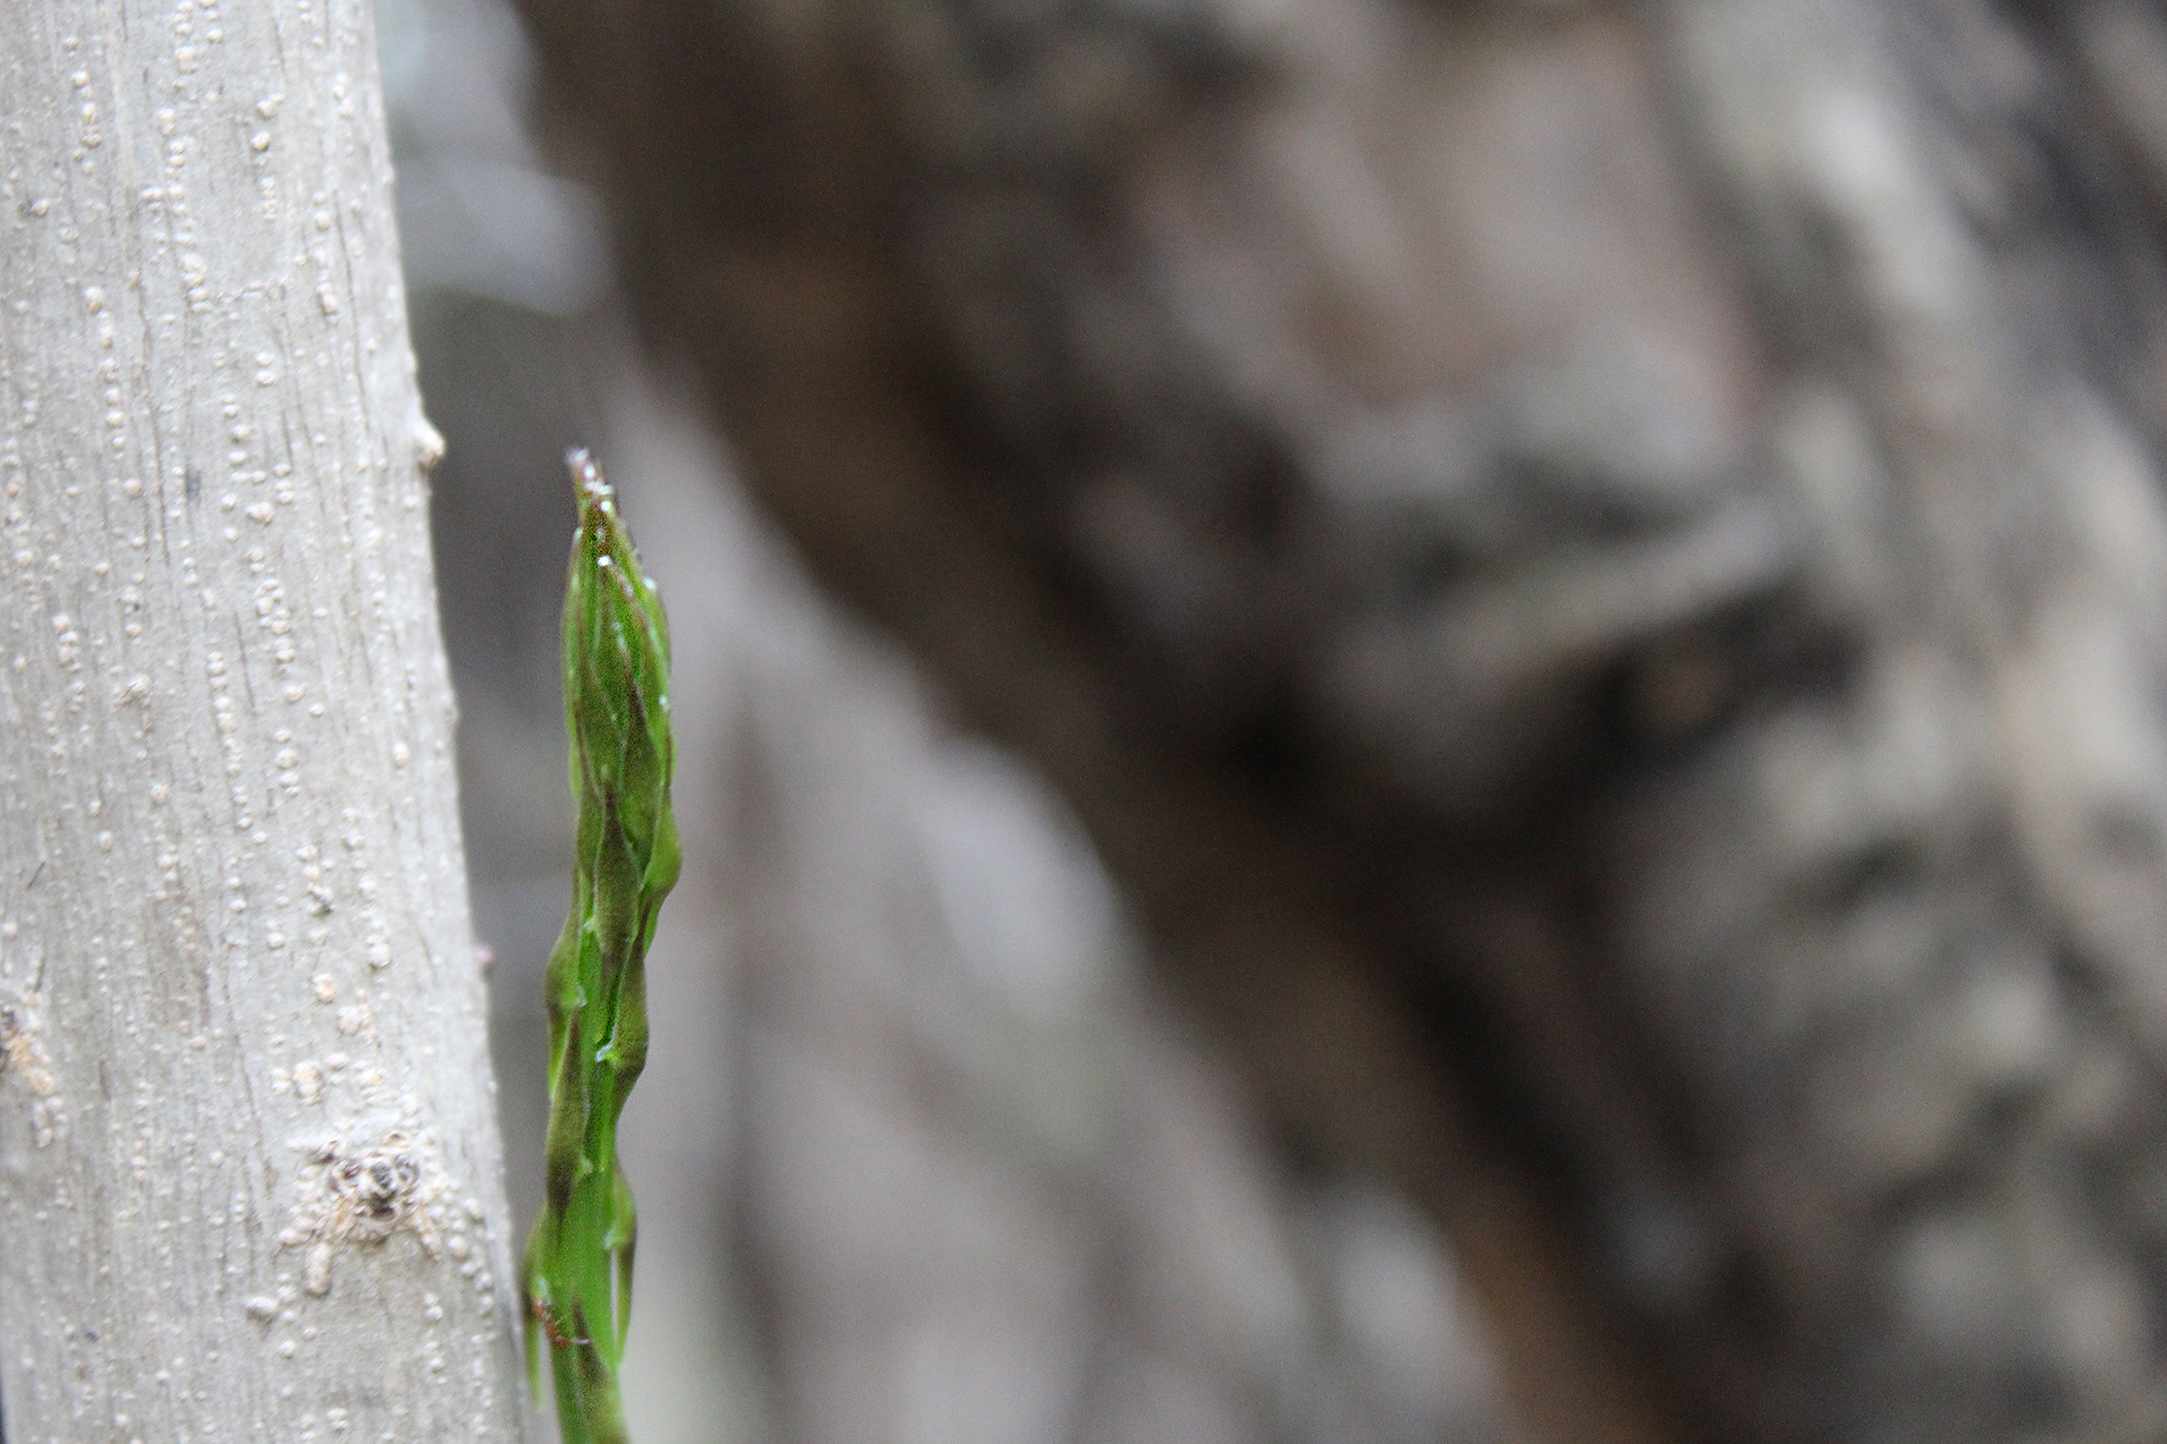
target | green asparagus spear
x=578, y=1269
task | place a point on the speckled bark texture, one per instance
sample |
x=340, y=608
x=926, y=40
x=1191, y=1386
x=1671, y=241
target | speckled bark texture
x=1597, y=571
x=249, y=1169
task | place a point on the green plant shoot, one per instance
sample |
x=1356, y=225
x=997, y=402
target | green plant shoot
x=578, y=1269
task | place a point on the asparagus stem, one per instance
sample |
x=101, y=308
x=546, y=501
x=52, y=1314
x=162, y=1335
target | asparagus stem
x=578, y=1268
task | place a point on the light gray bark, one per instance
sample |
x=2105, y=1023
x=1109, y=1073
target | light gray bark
x=250, y=1181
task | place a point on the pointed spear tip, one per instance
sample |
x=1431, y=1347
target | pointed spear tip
x=588, y=485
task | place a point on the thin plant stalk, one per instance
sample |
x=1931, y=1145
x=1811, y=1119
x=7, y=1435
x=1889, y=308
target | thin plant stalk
x=578, y=1268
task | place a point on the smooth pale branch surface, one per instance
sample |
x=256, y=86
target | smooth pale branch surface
x=249, y=1166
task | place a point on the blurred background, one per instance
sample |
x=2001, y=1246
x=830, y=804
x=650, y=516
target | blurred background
x=922, y=1154
x=1595, y=575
